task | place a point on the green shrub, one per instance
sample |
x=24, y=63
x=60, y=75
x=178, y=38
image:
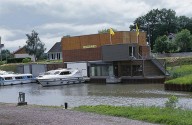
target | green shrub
x=26, y=60
x=15, y=60
x=1, y=62
x=171, y=102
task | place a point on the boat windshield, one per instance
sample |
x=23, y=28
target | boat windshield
x=57, y=72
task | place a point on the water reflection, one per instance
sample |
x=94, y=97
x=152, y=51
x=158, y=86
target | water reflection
x=94, y=94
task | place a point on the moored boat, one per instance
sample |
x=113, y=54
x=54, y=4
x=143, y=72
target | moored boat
x=60, y=77
x=10, y=78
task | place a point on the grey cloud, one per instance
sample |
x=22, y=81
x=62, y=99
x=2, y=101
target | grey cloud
x=75, y=17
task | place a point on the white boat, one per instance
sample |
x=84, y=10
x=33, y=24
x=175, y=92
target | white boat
x=60, y=77
x=10, y=78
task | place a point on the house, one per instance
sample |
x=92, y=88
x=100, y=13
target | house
x=21, y=53
x=123, y=55
x=171, y=36
x=55, y=53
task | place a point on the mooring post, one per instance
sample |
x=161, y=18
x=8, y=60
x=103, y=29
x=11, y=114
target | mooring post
x=66, y=105
x=21, y=99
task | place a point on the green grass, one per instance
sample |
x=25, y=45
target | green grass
x=180, y=75
x=159, y=115
x=180, y=71
x=181, y=80
x=8, y=67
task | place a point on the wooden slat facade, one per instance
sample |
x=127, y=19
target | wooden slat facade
x=98, y=40
x=88, y=47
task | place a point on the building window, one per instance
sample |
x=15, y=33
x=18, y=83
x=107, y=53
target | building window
x=58, y=56
x=52, y=56
x=101, y=70
x=131, y=51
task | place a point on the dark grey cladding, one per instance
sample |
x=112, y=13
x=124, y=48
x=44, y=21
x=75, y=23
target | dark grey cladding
x=116, y=52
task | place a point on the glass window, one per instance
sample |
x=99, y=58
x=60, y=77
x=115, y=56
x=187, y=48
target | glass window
x=130, y=51
x=65, y=73
x=8, y=78
x=101, y=70
x=29, y=76
x=19, y=77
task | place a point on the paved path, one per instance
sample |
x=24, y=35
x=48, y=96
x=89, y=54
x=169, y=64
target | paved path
x=11, y=114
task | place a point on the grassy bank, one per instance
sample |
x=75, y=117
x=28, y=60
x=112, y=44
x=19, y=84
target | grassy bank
x=180, y=75
x=166, y=116
x=8, y=67
x=181, y=80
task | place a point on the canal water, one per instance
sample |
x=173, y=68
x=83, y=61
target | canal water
x=95, y=94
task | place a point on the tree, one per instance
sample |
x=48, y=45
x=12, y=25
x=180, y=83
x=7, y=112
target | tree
x=157, y=23
x=34, y=45
x=160, y=44
x=184, y=22
x=163, y=44
x=5, y=54
x=105, y=31
x=184, y=40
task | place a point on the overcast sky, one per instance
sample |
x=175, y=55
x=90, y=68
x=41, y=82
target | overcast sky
x=53, y=19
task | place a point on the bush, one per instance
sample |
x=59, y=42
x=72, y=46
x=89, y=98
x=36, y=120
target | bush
x=15, y=60
x=171, y=102
x=1, y=63
x=26, y=60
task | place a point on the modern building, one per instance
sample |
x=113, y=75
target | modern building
x=55, y=53
x=21, y=53
x=123, y=55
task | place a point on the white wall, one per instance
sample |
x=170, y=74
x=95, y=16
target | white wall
x=24, y=56
x=79, y=66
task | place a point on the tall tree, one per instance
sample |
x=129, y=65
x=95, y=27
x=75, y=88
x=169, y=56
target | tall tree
x=184, y=22
x=184, y=40
x=163, y=44
x=34, y=45
x=5, y=54
x=156, y=23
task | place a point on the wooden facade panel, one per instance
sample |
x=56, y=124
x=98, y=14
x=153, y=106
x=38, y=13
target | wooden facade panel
x=91, y=54
x=70, y=43
x=142, y=39
x=117, y=38
x=104, y=39
x=86, y=41
x=133, y=37
x=126, y=37
x=144, y=51
x=89, y=40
